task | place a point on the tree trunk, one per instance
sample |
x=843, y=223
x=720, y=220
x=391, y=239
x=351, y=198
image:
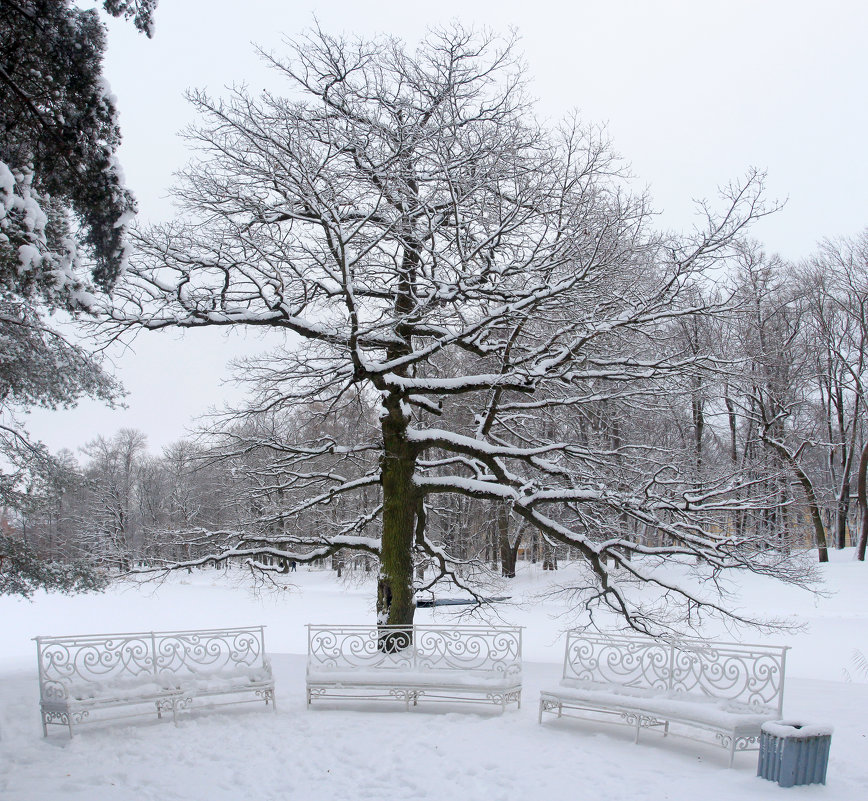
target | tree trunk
x=813, y=506
x=698, y=414
x=842, y=512
x=810, y=496
x=816, y=518
x=396, y=604
x=508, y=552
x=785, y=537
x=844, y=497
x=862, y=499
x=508, y=559
x=492, y=544
x=738, y=515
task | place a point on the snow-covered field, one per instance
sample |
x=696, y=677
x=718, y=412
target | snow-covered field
x=379, y=750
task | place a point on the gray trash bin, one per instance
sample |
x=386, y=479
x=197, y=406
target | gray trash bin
x=794, y=753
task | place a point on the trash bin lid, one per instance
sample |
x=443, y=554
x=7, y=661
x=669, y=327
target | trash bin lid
x=795, y=729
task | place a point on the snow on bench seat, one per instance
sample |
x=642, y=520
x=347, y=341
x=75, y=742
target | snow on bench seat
x=442, y=663
x=728, y=689
x=143, y=672
x=681, y=707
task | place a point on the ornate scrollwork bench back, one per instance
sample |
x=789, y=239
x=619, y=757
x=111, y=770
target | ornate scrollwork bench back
x=79, y=674
x=204, y=653
x=72, y=666
x=748, y=674
x=418, y=659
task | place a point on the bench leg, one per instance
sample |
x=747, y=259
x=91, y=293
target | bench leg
x=69, y=723
x=543, y=707
x=732, y=751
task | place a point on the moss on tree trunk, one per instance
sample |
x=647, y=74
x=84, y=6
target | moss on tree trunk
x=396, y=604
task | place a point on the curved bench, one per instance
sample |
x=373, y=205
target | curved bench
x=409, y=663
x=83, y=678
x=727, y=690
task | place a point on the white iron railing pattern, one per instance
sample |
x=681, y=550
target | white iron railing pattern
x=425, y=648
x=117, y=658
x=749, y=674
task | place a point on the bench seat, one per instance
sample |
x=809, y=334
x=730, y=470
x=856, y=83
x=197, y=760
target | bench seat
x=405, y=678
x=726, y=689
x=701, y=710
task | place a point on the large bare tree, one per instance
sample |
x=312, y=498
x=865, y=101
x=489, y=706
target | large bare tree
x=419, y=243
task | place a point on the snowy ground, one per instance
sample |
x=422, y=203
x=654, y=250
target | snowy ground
x=382, y=752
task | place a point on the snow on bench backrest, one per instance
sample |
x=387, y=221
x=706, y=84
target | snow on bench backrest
x=68, y=662
x=125, y=660
x=209, y=652
x=749, y=674
x=489, y=649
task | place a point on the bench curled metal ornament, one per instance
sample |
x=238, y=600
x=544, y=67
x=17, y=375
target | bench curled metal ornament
x=722, y=692
x=415, y=663
x=93, y=677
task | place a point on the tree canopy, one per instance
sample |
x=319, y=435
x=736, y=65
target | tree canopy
x=487, y=283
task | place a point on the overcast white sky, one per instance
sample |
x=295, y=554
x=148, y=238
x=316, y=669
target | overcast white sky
x=694, y=92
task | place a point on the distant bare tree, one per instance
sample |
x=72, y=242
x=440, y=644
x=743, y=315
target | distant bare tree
x=113, y=518
x=835, y=282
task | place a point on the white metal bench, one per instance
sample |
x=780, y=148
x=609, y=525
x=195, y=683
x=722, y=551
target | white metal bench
x=725, y=689
x=83, y=679
x=437, y=663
